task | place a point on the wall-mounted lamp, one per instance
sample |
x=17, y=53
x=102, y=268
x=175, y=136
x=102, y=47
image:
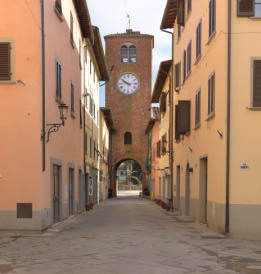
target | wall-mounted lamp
x=63, y=108
x=170, y=152
x=86, y=94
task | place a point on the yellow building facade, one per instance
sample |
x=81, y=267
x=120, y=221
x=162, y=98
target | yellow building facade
x=216, y=49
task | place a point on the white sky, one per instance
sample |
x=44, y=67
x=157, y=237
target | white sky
x=146, y=15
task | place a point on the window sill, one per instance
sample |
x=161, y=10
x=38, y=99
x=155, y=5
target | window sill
x=255, y=18
x=8, y=82
x=59, y=15
x=254, y=108
x=197, y=60
x=197, y=126
x=211, y=37
x=210, y=116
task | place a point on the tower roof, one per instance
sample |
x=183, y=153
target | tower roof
x=130, y=34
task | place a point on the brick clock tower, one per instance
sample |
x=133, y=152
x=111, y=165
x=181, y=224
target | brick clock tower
x=128, y=96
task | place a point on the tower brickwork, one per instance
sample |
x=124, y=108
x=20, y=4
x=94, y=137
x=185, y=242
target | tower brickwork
x=128, y=95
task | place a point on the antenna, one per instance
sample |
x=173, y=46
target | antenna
x=129, y=22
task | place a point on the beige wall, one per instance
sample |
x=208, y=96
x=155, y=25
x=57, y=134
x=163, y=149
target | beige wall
x=205, y=141
x=164, y=165
x=103, y=160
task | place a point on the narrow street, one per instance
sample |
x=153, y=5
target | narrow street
x=126, y=236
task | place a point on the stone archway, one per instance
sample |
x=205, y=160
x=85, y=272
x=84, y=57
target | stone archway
x=144, y=181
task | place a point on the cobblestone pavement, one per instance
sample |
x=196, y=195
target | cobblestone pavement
x=127, y=236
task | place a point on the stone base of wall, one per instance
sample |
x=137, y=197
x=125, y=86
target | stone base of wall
x=245, y=220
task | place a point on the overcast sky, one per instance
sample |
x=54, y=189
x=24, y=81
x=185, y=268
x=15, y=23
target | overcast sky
x=145, y=15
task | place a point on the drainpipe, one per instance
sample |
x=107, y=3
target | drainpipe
x=171, y=152
x=43, y=87
x=227, y=225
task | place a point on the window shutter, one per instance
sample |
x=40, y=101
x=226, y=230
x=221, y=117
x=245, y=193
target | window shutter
x=184, y=66
x=163, y=103
x=184, y=117
x=245, y=8
x=257, y=84
x=181, y=13
x=176, y=122
x=177, y=75
x=5, y=68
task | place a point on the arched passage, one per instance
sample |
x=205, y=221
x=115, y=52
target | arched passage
x=128, y=174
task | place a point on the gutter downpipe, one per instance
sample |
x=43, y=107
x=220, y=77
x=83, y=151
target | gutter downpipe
x=171, y=152
x=227, y=224
x=43, y=86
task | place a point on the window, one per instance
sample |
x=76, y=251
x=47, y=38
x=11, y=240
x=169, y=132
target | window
x=71, y=27
x=179, y=31
x=58, y=6
x=177, y=76
x=124, y=54
x=128, y=54
x=197, y=109
x=212, y=17
x=181, y=13
x=189, y=7
x=163, y=103
x=132, y=54
x=72, y=98
x=247, y=8
x=182, y=118
x=90, y=146
x=127, y=138
x=85, y=143
x=189, y=58
x=58, y=79
x=91, y=105
x=198, y=40
x=211, y=94
x=94, y=149
x=256, y=97
x=164, y=144
x=86, y=98
x=5, y=61
x=184, y=66
x=80, y=111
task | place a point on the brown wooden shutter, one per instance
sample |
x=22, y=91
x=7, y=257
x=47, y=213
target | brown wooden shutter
x=177, y=75
x=245, y=8
x=181, y=13
x=184, y=66
x=176, y=122
x=184, y=117
x=257, y=84
x=164, y=144
x=163, y=103
x=5, y=67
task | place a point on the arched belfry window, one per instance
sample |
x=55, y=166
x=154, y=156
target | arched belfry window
x=128, y=54
x=127, y=138
x=124, y=54
x=132, y=54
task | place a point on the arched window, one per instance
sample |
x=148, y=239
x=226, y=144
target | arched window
x=124, y=54
x=132, y=54
x=127, y=138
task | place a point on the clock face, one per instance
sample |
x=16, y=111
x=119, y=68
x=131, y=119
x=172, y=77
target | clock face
x=128, y=83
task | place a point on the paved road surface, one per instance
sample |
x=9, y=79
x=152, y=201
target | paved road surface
x=126, y=236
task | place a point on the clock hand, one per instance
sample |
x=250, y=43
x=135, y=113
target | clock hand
x=126, y=82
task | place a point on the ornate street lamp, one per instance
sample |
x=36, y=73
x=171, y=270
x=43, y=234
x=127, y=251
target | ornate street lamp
x=63, y=108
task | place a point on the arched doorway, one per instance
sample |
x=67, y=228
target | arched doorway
x=128, y=177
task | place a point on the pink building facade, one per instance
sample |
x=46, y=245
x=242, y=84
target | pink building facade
x=41, y=56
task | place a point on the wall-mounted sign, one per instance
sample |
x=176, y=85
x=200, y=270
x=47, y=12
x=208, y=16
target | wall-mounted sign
x=244, y=165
